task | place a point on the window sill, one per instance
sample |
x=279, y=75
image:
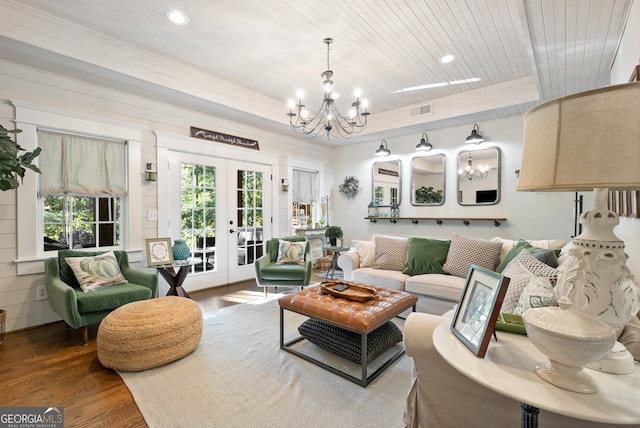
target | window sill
x=36, y=265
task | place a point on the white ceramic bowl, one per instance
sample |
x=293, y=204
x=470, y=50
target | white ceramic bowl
x=570, y=339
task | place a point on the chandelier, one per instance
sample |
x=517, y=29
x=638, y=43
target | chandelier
x=469, y=174
x=328, y=119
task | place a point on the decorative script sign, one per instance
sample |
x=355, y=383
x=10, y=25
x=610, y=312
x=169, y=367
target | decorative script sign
x=387, y=172
x=224, y=138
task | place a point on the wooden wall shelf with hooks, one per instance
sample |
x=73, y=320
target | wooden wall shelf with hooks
x=439, y=220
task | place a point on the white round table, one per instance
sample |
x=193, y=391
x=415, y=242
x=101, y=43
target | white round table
x=507, y=369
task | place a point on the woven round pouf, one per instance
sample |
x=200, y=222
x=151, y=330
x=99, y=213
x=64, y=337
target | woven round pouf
x=149, y=333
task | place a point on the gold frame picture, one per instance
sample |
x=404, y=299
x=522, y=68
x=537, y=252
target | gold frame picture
x=159, y=251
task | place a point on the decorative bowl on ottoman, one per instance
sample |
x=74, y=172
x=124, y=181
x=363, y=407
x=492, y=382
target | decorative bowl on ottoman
x=348, y=290
x=570, y=339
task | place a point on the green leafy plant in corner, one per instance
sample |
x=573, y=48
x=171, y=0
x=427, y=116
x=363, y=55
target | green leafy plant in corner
x=426, y=195
x=12, y=163
x=333, y=232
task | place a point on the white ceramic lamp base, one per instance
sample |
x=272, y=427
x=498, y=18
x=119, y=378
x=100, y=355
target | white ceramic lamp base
x=617, y=361
x=566, y=377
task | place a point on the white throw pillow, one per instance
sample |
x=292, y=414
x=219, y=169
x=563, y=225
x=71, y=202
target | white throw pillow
x=291, y=252
x=521, y=270
x=96, y=272
x=538, y=293
x=367, y=252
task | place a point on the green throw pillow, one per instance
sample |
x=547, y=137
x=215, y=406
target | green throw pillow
x=520, y=245
x=426, y=256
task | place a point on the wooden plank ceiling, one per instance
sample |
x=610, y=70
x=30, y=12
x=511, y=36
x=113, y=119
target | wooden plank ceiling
x=251, y=56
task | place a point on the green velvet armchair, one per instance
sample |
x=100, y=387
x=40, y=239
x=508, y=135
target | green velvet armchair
x=271, y=274
x=79, y=309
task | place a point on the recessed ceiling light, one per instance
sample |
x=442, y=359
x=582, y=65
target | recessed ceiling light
x=447, y=59
x=176, y=17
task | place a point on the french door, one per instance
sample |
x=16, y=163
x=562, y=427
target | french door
x=222, y=208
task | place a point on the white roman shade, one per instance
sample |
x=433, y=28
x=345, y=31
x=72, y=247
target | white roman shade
x=81, y=165
x=304, y=186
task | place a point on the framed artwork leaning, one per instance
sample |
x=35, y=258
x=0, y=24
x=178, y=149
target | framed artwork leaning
x=159, y=251
x=477, y=312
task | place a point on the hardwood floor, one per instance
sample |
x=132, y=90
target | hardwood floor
x=48, y=366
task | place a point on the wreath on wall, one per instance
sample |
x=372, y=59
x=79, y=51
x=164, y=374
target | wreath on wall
x=350, y=187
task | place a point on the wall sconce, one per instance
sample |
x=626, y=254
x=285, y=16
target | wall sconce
x=285, y=185
x=475, y=137
x=383, y=150
x=424, y=145
x=150, y=172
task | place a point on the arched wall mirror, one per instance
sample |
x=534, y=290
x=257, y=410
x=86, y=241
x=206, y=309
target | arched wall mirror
x=387, y=183
x=479, y=176
x=428, y=180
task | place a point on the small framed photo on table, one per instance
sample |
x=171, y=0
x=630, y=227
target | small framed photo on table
x=478, y=310
x=159, y=251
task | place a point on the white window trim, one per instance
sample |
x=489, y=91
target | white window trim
x=29, y=117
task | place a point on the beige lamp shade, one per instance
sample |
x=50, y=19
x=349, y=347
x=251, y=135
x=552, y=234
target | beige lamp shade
x=583, y=141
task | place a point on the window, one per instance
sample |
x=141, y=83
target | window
x=32, y=118
x=81, y=222
x=305, y=191
x=82, y=183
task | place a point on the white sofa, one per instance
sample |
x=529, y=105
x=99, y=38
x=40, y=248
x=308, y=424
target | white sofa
x=441, y=397
x=437, y=293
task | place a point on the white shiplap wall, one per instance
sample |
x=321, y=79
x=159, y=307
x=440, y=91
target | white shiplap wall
x=18, y=293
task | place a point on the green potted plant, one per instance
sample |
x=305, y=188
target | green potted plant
x=333, y=233
x=426, y=195
x=13, y=164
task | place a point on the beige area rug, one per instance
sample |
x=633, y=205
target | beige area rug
x=239, y=377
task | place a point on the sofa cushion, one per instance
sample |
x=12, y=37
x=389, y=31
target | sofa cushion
x=465, y=251
x=426, y=256
x=96, y=272
x=391, y=252
x=393, y=279
x=447, y=287
x=548, y=257
x=109, y=298
x=367, y=252
x=522, y=244
x=508, y=244
x=284, y=272
x=521, y=270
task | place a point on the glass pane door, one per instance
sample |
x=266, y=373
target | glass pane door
x=198, y=213
x=249, y=215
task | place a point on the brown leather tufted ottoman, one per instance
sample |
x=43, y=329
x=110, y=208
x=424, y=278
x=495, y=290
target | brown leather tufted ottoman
x=362, y=318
